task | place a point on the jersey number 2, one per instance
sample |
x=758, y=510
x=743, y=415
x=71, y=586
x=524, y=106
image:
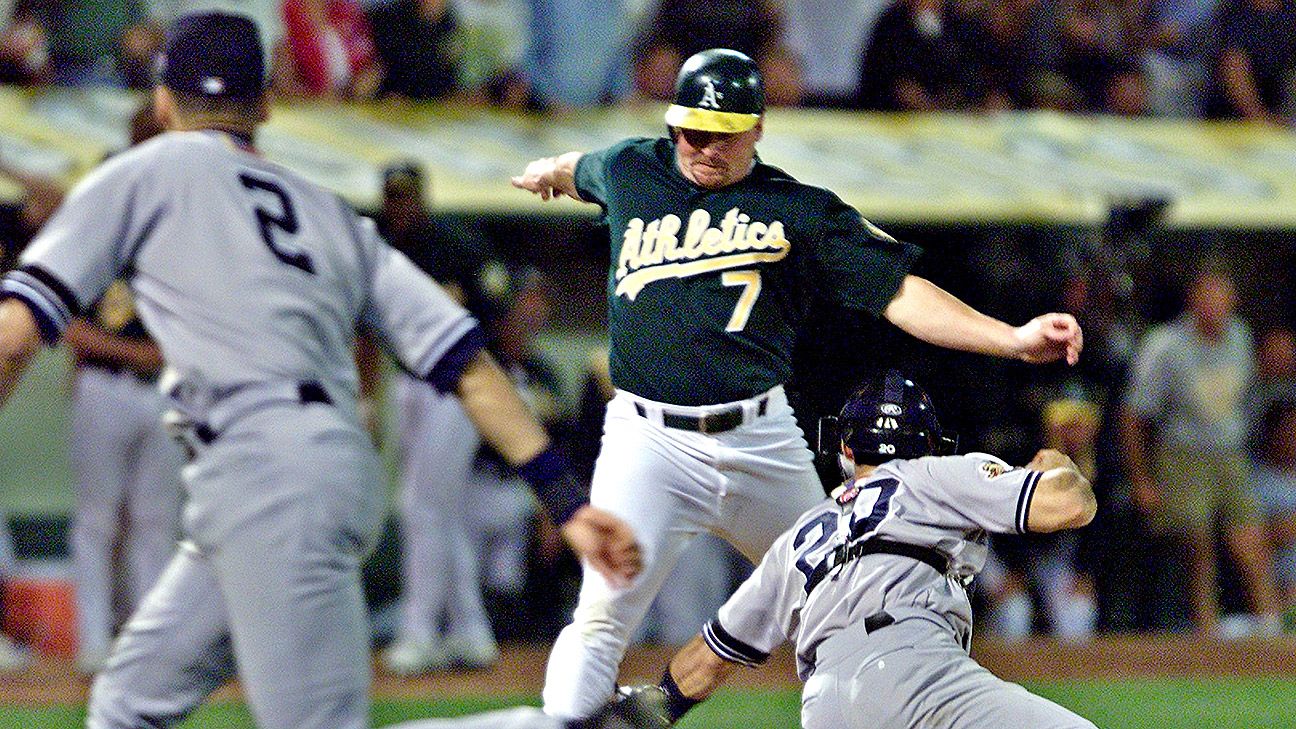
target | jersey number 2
x=285, y=219
x=751, y=283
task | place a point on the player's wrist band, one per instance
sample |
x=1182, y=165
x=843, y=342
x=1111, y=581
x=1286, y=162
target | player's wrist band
x=554, y=484
x=677, y=704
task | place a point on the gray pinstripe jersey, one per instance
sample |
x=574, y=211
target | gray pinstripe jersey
x=805, y=590
x=243, y=272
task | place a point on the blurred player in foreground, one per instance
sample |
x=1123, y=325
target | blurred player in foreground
x=253, y=282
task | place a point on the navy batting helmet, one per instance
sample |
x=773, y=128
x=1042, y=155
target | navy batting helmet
x=889, y=416
x=717, y=90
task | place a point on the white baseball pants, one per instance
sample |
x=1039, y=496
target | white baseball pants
x=746, y=485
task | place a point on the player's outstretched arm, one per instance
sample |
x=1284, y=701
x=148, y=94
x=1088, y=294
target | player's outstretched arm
x=19, y=342
x=928, y=312
x=1063, y=499
x=550, y=177
x=503, y=419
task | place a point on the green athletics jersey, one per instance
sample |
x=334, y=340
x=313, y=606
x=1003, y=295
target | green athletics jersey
x=707, y=288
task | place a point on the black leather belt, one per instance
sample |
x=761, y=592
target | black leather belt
x=717, y=421
x=878, y=621
x=308, y=391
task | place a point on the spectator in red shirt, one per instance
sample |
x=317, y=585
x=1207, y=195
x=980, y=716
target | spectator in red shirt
x=327, y=51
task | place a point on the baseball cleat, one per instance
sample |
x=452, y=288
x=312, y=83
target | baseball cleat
x=471, y=654
x=409, y=657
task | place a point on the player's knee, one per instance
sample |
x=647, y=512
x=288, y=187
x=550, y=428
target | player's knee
x=600, y=628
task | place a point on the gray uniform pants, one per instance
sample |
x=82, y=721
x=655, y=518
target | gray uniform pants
x=123, y=458
x=914, y=675
x=282, y=508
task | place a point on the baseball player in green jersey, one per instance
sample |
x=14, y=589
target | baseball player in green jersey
x=714, y=255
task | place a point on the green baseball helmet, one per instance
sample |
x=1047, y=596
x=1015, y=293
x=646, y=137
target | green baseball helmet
x=717, y=90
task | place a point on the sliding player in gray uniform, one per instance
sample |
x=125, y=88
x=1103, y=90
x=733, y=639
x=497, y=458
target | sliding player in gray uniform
x=253, y=282
x=871, y=584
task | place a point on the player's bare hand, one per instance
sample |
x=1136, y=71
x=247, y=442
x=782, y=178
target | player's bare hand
x=1048, y=338
x=537, y=178
x=606, y=542
x=1047, y=459
x=550, y=177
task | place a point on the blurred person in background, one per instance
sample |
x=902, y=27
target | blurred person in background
x=416, y=41
x=577, y=53
x=1049, y=564
x=1100, y=50
x=1178, y=43
x=24, y=46
x=1183, y=432
x=1274, y=484
x=1275, y=379
x=515, y=304
x=97, y=42
x=493, y=37
x=440, y=591
x=680, y=28
x=826, y=37
x=914, y=60
x=327, y=51
x=127, y=467
x=1254, y=67
x=1014, y=47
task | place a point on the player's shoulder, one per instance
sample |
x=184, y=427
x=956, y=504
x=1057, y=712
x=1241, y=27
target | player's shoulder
x=633, y=146
x=820, y=199
x=985, y=466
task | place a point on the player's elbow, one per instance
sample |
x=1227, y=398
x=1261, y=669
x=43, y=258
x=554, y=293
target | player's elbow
x=1064, y=499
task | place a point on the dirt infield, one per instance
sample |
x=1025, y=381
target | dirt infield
x=521, y=670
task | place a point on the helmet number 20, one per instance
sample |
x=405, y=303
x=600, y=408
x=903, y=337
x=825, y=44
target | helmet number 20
x=751, y=283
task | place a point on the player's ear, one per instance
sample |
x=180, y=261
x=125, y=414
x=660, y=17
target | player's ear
x=759, y=128
x=263, y=109
x=164, y=107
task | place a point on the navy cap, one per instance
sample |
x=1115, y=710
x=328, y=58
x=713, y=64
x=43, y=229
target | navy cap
x=215, y=55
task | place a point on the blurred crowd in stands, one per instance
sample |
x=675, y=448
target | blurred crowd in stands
x=1179, y=58
x=1184, y=416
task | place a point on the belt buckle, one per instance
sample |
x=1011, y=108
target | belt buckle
x=702, y=424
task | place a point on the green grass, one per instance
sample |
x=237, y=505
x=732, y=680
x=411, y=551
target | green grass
x=1161, y=704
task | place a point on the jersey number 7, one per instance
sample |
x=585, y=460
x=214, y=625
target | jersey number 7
x=285, y=220
x=751, y=283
